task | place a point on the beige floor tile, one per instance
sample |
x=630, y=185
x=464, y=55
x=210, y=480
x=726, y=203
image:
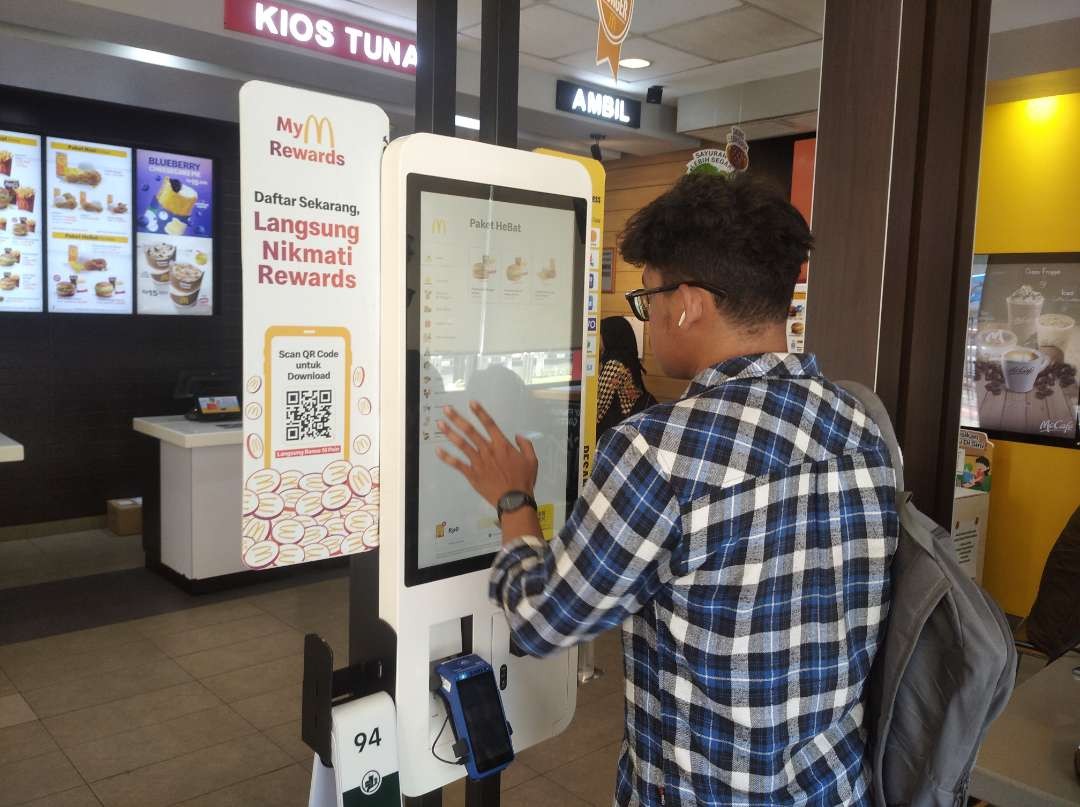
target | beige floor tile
x=540, y=792
x=24, y=741
x=121, y=753
x=287, y=787
x=595, y=726
x=244, y=654
x=138, y=711
x=38, y=776
x=81, y=796
x=193, y=618
x=67, y=645
x=110, y=686
x=193, y=775
x=257, y=679
x=592, y=777
x=18, y=556
x=610, y=681
x=33, y=674
x=6, y=687
x=15, y=710
x=517, y=774
x=271, y=709
x=220, y=635
x=287, y=738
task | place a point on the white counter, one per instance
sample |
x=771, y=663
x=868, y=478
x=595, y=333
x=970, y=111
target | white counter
x=179, y=431
x=10, y=451
x=201, y=479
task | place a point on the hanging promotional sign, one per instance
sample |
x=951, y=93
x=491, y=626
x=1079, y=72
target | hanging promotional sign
x=614, y=27
x=735, y=156
x=590, y=362
x=310, y=243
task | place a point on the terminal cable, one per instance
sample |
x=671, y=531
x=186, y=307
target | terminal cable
x=459, y=760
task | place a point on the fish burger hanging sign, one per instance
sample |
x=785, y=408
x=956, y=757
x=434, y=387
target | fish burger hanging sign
x=614, y=26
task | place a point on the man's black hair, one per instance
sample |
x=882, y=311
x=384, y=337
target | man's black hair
x=735, y=232
x=985, y=462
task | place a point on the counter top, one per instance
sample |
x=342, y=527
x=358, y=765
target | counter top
x=10, y=451
x=179, y=431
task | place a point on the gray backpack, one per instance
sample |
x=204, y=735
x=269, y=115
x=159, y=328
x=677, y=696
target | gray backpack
x=946, y=665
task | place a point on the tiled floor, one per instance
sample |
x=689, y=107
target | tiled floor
x=201, y=708
x=57, y=557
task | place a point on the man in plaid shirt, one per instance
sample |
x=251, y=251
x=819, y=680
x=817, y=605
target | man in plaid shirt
x=742, y=535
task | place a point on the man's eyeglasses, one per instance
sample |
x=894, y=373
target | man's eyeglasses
x=639, y=298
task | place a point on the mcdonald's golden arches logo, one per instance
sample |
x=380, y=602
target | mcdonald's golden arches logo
x=438, y=227
x=319, y=124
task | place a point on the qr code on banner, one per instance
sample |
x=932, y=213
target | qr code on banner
x=308, y=413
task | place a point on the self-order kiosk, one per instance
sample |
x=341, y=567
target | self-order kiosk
x=483, y=285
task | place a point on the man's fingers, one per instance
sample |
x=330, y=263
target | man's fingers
x=453, y=462
x=463, y=445
x=463, y=426
x=525, y=445
x=488, y=422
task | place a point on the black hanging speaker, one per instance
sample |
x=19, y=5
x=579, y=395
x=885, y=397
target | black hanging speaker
x=655, y=94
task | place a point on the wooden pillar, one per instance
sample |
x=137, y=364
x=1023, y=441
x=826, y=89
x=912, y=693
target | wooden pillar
x=899, y=128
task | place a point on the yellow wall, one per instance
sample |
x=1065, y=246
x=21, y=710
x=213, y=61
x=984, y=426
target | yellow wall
x=1029, y=201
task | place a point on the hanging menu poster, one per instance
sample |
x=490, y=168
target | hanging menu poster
x=20, y=218
x=174, y=234
x=89, y=252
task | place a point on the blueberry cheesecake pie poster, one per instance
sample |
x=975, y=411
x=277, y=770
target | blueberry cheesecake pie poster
x=174, y=233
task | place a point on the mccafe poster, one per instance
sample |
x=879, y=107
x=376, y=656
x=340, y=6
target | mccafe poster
x=1025, y=345
x=309, y=183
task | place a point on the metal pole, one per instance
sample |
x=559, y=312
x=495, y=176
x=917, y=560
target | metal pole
x=483, y=792
x=499, y=31
x=436, y=72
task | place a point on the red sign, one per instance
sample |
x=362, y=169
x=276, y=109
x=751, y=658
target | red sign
x=354, y=41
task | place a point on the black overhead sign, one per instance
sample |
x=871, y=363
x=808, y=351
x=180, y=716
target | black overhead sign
x=597, y=104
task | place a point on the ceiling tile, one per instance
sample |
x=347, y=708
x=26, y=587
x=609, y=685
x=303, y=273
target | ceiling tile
x=468, y=11
x=807, y=13
x=734, y=35
x=739, y=71
x=664, y=60
x=652, y=15
x=550, y=32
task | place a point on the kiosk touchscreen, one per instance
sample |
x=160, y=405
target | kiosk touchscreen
x=483, y=285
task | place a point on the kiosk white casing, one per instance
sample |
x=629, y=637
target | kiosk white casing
x=540, y=694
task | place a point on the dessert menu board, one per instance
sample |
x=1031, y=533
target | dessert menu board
x=20, y=222
x=89, y=218
x=1027, y=346
x=174, y=233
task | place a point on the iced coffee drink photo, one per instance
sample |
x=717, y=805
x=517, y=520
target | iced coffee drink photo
x=1025, y=305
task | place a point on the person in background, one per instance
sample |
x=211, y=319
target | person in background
x=742, y=536
x=622, y=385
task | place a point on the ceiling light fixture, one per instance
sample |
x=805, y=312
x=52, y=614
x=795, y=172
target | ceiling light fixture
x=467, y=123
x=634, y=63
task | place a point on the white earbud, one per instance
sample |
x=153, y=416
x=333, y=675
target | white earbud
x=682, y=319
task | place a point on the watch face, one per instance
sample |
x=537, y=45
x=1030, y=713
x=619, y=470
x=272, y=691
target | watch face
x=512, y=500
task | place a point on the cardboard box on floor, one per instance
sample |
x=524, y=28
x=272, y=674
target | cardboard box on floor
x=124, y=516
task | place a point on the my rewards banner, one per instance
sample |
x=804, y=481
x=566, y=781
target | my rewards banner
x=310, y=245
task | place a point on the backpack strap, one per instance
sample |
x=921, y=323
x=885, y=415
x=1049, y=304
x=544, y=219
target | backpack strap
x=876, y=410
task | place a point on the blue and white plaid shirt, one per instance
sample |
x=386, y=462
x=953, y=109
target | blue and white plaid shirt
x=742, y=536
